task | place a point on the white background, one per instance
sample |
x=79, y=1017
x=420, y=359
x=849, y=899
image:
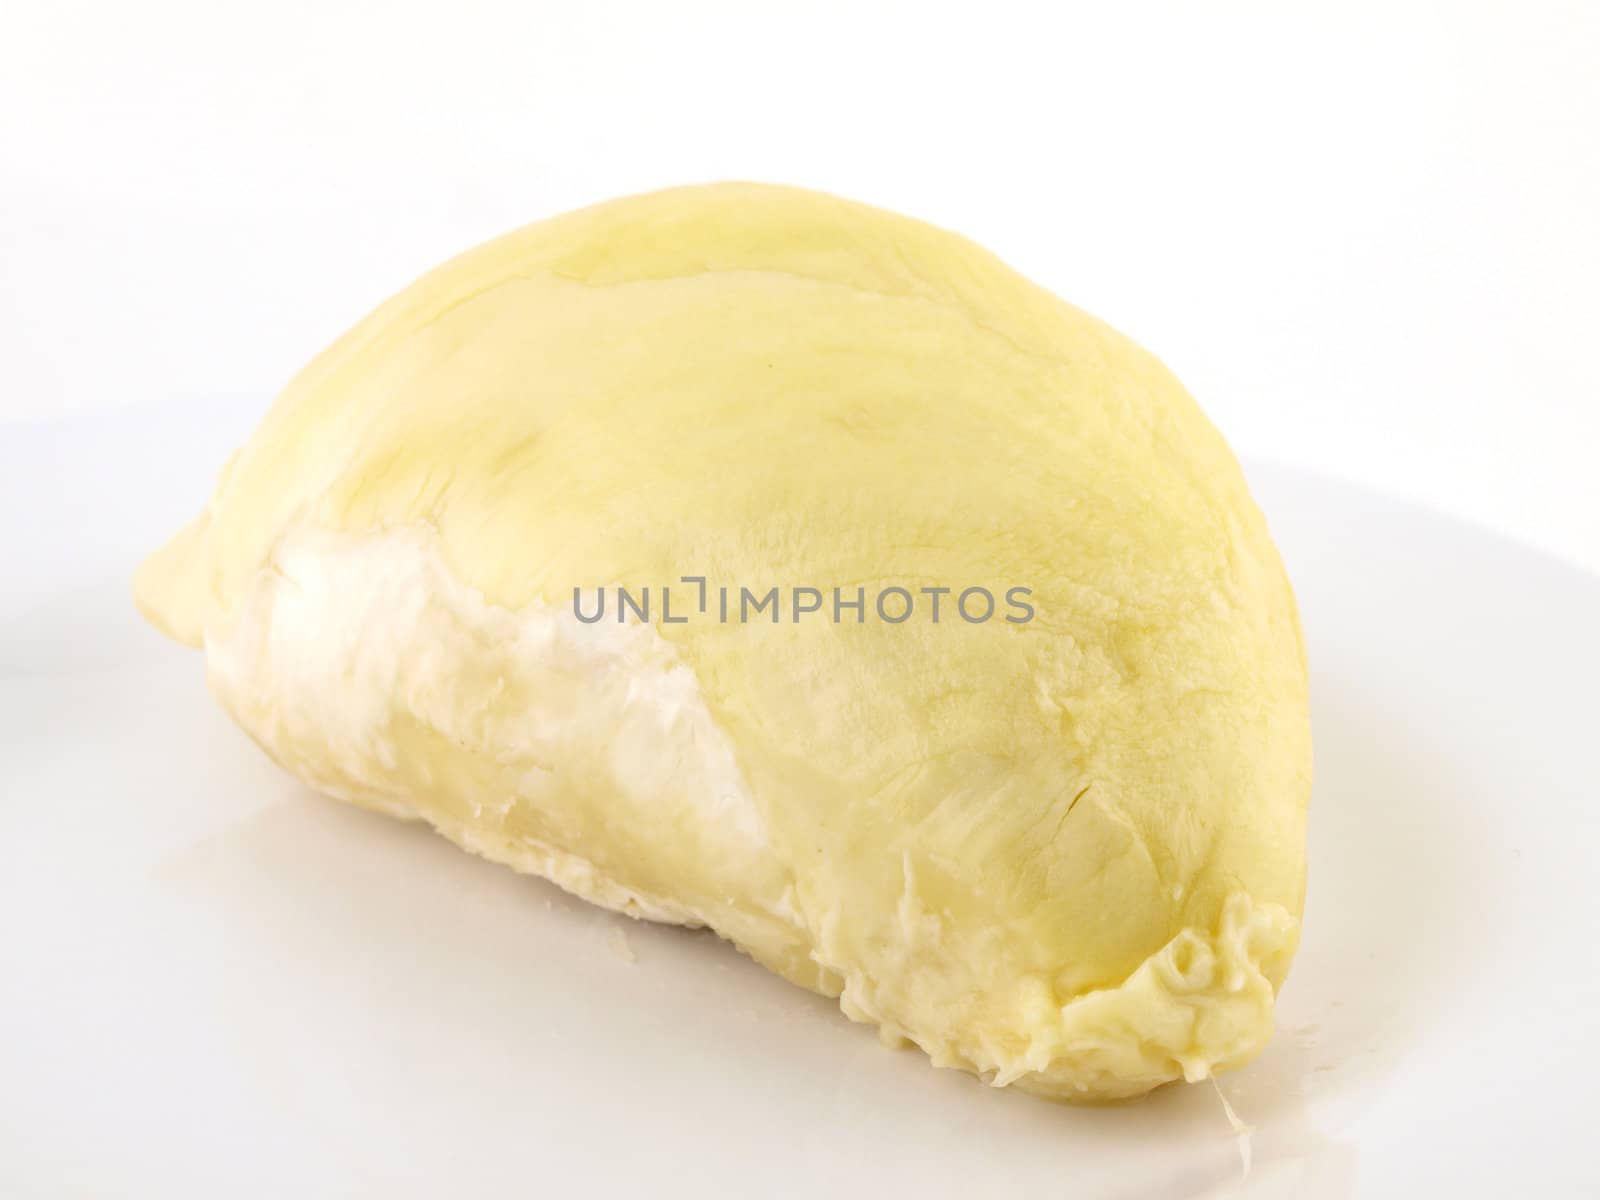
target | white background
x=1364, y=234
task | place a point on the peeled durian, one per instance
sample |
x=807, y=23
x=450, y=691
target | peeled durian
x=1061, y=847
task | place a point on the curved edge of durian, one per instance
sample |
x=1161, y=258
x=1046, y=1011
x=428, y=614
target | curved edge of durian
x=169, y=587
x=1200, y=1005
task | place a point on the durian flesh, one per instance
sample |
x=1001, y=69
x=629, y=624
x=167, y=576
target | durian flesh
x=1065, y=853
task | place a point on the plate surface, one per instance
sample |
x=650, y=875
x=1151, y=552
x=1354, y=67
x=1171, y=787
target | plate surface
x=216, y=983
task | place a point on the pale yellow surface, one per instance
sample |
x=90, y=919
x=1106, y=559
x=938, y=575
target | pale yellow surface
x=1067, y=854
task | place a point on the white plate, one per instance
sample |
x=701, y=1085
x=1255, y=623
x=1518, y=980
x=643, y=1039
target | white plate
x=216, y=984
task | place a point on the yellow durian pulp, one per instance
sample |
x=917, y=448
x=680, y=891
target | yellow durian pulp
x=1065, y=852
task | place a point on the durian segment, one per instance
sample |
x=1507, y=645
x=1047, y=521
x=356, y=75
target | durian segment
x=1066, y=853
